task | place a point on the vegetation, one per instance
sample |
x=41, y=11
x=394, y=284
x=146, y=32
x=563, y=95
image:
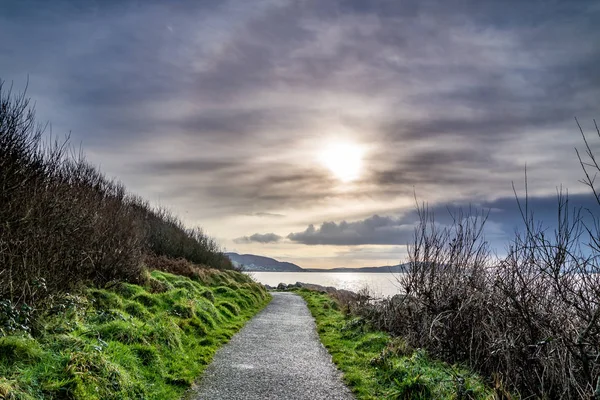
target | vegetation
x=63, y=224
x=530, y=322
x=81, y=317
x=379, y=366
x=128, y=342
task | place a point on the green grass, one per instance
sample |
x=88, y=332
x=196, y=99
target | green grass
x=130, y=342
x=377, y=366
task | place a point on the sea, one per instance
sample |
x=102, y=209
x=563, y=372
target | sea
x=379, y=284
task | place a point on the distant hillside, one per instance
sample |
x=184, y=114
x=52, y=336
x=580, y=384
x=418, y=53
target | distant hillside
x=388, y=268
x=251, y=262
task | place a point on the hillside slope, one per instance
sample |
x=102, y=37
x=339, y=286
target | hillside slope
x=384, y=269
x=255, y=263
x=251, y=262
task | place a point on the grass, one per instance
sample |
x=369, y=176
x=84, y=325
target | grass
x=129, y=342
x=378, y=366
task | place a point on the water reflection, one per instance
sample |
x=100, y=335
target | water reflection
x=380, y=284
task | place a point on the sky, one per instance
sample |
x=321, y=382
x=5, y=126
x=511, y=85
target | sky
x=305, y=130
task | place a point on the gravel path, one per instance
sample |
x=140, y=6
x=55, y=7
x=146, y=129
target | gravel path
x=277, y=355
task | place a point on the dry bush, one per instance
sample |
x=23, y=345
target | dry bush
x=177, y=266
x=63, y=224
x=529, y=321
x=167, y=236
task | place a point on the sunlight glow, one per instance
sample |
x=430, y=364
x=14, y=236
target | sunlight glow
x=344, y=160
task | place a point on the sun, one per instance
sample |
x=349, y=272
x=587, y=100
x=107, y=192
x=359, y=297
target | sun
x=343, y=159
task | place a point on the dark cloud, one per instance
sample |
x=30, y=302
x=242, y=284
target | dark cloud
x=432, y=166
x=373, y=230
x=259, y=238
x=266, y=215
x=544, y=209
x=238, y=123
x=492, y=127
x=189, y=166
x=503, y=220
x=256, y=189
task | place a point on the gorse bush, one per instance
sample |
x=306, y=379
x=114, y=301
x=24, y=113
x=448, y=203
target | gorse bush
x=529, y=321
x=63, y=223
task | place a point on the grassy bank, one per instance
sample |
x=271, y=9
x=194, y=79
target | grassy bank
x=128, y=342
x=377, y=366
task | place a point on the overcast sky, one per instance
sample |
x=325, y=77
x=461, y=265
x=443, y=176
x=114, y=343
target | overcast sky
x=234, y=113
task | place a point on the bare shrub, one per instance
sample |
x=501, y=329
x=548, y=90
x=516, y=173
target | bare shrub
x=529, y=321
x=167, y=236
x=64, y=224
x=177, y=266
x=62, y=221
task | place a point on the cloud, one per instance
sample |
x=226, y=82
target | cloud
x=373, y=230
x=188, y=166
x=218, y=116
x=266, y=215
x=259, y=238
x=503, y=219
